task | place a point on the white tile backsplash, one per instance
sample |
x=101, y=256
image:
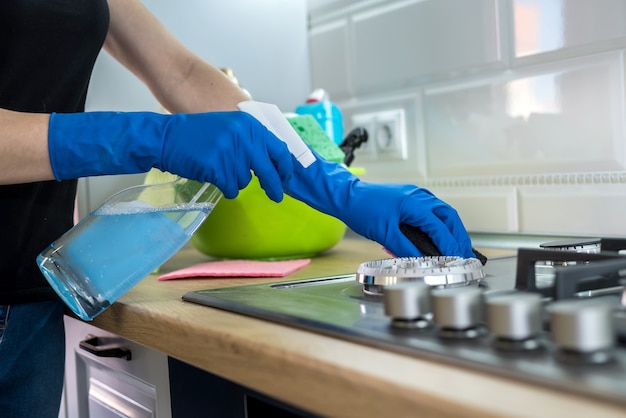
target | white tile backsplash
x=572, y=26
x=562, y=117
x=589, y=209
x=404, y=43
x=486, y=209
x=331, y=41
x=514, y=108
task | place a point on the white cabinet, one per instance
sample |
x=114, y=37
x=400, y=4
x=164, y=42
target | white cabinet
x=109, y=376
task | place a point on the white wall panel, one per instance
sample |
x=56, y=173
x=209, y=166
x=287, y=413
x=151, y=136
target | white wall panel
x=567, y=27
x=524, y=95
x=329, y=43
x=591, y=209
x=403, y=43
x=265, y=43
x=562, y=117
x=484, y=209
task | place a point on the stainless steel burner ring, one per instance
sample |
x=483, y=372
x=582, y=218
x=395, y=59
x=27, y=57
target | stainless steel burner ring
x=440, y=271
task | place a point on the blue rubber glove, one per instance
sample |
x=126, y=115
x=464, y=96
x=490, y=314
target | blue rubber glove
x=219, y=148
x=376, y=211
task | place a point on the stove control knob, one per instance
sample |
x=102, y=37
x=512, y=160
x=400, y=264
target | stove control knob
x=408, y=304
x=458, y=311
x=582, y=331
x=514, y=320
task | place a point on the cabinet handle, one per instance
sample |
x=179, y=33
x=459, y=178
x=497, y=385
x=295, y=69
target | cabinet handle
x=98, y=347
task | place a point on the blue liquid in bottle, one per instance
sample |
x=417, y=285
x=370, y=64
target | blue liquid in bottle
x=114, y=248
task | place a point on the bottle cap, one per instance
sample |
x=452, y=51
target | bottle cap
x=318, y=95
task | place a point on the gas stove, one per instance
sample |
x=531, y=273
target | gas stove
x=552, y=316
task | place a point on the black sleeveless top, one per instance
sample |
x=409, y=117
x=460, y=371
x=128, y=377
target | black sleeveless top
x=47, y=52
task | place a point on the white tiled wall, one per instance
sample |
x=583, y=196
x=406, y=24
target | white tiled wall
x=514, y=108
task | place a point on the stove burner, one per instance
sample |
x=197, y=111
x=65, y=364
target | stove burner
x=589, y=245
x=438, y=271
x=592, y=273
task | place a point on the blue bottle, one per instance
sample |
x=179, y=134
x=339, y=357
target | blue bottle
x=325, y=112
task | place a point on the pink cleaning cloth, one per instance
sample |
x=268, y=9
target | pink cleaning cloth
x=238, y=268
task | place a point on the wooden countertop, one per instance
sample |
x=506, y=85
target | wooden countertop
x=326, y=376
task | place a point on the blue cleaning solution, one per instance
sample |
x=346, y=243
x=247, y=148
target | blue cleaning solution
x=114, y=248
x=325, y=112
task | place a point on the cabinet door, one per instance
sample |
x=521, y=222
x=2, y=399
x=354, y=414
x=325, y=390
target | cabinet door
x=105, y=401
x=132, y=383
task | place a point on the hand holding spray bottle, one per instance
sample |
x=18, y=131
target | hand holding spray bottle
x=136, y=230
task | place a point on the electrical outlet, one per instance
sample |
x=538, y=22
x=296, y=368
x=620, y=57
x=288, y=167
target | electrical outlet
x=389, y=135
x=387, y=138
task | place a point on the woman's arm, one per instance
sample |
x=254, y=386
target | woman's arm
x=179, y=79
x=24, y=147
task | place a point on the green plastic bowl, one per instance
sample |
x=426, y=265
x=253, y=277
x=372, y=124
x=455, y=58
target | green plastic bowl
x=253, y=227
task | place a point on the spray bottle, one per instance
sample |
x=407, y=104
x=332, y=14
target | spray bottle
x=136, y=230
x=325, y=112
